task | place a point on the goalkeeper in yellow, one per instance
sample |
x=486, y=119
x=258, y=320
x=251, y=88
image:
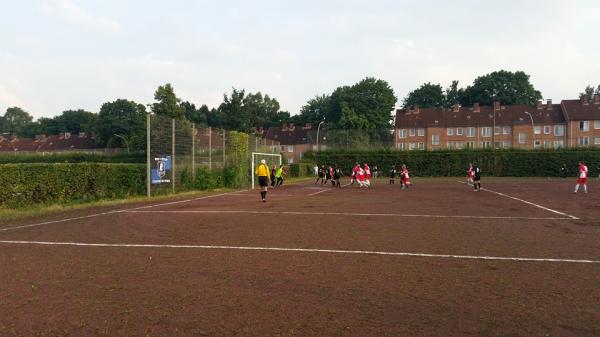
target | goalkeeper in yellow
x=262, y=171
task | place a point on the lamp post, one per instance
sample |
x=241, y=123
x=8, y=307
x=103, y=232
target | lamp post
x=124, y=141
x=318, y=129
x=532, y=128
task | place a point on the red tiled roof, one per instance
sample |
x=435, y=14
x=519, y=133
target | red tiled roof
x=54, y=143
x=294, y=134
x=575, y=110
x=464, y=117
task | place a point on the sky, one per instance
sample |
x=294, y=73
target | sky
x=57, y=55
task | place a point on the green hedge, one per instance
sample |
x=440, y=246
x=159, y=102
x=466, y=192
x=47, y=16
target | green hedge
x=24, y=184
x=72, y=157
x=301, y=170
x=515, y=163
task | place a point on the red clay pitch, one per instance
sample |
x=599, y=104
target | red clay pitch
x=63, y=290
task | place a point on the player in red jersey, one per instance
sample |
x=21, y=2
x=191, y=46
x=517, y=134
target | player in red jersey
x=360, y=176
x=404, y=177
x=582, y=179
x=470, y=174
x=367, y=170
x=354, y=171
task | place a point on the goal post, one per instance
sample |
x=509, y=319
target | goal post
x=271, y=158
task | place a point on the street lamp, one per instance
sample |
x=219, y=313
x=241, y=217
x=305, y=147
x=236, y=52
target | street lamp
x=532, y=128
x=124, y=140
x=318, y=128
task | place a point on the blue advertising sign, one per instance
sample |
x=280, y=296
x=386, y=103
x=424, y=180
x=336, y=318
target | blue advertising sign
x=160, y=173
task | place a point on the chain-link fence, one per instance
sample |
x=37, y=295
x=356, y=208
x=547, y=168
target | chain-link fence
x=184, y=156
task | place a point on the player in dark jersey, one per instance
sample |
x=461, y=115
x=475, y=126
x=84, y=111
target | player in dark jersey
x=337, y=174
x=321, y=175
x=476, y=178
x=393, y=173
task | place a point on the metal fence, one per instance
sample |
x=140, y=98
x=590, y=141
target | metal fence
x=178, y=150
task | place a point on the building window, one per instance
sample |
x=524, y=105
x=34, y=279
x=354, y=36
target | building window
x=421, y=146
x=401, y=146
x=290, y=148
x=506, y=144
x=486, y=131
x=412, y=146
x=537, y=130
x=301, y=155
x=496, y=130
x=420, y=132
x=450, y=131
x=450, y=145
x=537, y=144
x=596, y=125
x=558, y=144
x=290, y=160
x=402, y=133
x=547, y=144
x=412, y=132
x=435, y=139
x=506, y=130
x=584, y=126
x=547, y=129
x=522, y=137
x=559, y=130
x=282, y=148
x=470, y=132
x=584, y=141
x=470, y=145
x=459, y=131
x=486, y=144
x=460, y=145
x=597, y=141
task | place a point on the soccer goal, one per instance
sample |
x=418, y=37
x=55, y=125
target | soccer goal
x=271, y=158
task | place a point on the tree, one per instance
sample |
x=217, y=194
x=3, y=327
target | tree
x=242, y=112
x=507, y=87
x=15, y=121
x=313, y=111
x=194, y=115
x=75, y=121
x=232, y=114
x=124, y=118
x=453, y=94
x=427, y=96
x=590, y=91
x=168, y=103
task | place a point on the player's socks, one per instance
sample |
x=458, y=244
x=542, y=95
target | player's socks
x=584, y=188
x=576, y=188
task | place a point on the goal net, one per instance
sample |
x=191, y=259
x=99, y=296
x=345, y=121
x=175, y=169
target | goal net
x=272, y=159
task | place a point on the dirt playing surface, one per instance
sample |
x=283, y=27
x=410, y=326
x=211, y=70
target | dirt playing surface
x=336, y=282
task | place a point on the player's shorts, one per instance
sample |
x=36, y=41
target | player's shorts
x=263, y=181
x=476, y=178
x=581, y=181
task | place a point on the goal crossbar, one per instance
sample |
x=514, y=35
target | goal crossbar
x=254, y=154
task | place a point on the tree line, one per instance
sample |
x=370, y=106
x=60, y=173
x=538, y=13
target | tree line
x=366, y=105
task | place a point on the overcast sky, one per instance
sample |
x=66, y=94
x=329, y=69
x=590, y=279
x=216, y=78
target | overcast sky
x=67, y=54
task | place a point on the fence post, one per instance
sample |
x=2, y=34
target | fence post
x=193, y=152
x=148, y=156
x=210, y=148
x=224, y=133
x=173, y=154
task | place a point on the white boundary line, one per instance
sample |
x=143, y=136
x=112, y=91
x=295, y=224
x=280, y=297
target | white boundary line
x=318, y=192
x=112, y=212
x=347, y=214
x=307, y=250
x=572, y=217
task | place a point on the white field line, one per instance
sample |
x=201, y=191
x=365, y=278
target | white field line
x=348, y=214
x=304, y=250
x=110, y=212
x=528, y=202
x=318, y=192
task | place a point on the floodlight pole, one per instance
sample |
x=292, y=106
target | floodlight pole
x=532, y=130
x=318, y=129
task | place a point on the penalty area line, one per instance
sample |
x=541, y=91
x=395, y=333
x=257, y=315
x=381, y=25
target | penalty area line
x=572, y=217
x=302, y=250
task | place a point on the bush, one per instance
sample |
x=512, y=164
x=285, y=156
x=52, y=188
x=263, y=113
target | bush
x=24, y=184
x=515, y=163
x=72, y=157
x=303, y=169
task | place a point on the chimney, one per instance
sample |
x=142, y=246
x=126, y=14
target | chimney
x=416, y=109
x=67, y=135
x=539, y=105
x=549, y=104
x=597, y=99
x=284, y=127
x=455, y=108
x=496, y=105
x=292, y=127
x=476, y=107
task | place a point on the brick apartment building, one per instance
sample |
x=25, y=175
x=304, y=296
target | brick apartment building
x=64, y=142
x=295, y=140
x=571, y=123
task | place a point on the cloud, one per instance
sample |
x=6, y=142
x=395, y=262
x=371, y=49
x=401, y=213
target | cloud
x=74, y=14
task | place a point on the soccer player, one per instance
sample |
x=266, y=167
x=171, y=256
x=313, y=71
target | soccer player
x=360, y=176
x=321, y=175
x=476, y=178
x=337, y=174
x=273, y=171
x=279, y=175
x=470, y=175
x=328, y=174
x=404, y=177
x=367, y=170
x=354, y=171
x=582, y=180
x=262, y=171
x=393, y=175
